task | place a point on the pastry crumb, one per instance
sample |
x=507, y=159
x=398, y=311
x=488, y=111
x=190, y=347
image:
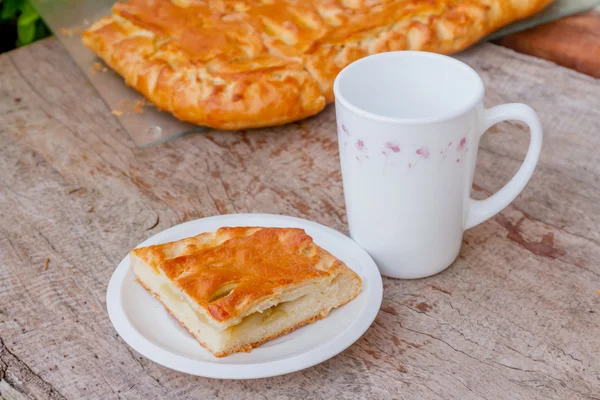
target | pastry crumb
x=130, y=106
x=118, y=113
x=46, y=264
x=138, y=106
x=69, y=32
x=98, y=67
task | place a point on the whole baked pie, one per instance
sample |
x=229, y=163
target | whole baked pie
x=237, y=288
x=234, y=64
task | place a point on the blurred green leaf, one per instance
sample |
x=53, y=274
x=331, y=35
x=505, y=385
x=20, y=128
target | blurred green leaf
x=30, y=27
x=26, y=33
x=10, y=8
x=41, y=30
x=28, y=14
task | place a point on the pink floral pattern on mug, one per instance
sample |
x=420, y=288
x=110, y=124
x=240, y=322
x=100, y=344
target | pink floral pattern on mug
x=392, y=151
x=423, y=153
x=393, y=147
x=444, y=153
x=389, y=149
x=343, y=128
x=461, y=149
x=362, y=150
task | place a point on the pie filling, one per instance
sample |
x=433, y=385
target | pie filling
x=294, y=308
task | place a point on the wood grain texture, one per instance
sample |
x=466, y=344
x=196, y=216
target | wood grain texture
x=572, y=42
x=516, y=317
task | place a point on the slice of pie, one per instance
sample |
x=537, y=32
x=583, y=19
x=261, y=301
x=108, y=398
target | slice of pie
x=236, y=64
x=237, y=288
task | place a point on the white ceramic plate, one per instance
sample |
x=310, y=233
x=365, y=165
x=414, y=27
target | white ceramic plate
x=145, y=325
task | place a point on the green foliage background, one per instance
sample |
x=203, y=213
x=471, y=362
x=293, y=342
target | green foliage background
x=29, y=25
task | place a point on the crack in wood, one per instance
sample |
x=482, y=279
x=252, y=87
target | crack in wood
x=32, y=87
x=29, y=382
x=155, y=224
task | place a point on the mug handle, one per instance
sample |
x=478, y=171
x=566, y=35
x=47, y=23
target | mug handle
x=481, y=210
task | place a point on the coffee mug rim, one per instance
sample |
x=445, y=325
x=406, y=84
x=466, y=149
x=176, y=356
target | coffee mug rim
x=478, y=97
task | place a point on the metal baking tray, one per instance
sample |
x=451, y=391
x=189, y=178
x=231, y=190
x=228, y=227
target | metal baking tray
x=145, y=124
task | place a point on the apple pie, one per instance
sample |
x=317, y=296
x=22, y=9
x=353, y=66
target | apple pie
x=235, y=64
x=239, y=287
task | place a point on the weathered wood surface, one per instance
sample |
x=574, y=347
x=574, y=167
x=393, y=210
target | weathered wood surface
x=573, y=42
x=516, y=317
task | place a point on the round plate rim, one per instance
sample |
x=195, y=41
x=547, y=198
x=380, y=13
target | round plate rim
x=314, y=356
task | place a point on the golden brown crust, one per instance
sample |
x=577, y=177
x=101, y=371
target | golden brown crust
x=234, y=64
x=157, y=254
x=229, y=272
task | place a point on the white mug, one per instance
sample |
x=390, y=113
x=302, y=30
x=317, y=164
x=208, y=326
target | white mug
x=409, y=125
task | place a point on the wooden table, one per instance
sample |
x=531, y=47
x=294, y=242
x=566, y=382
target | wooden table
x=516, y=317
x=572, y=42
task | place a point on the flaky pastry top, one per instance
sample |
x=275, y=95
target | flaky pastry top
x=235, y=64
x=229, y=272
